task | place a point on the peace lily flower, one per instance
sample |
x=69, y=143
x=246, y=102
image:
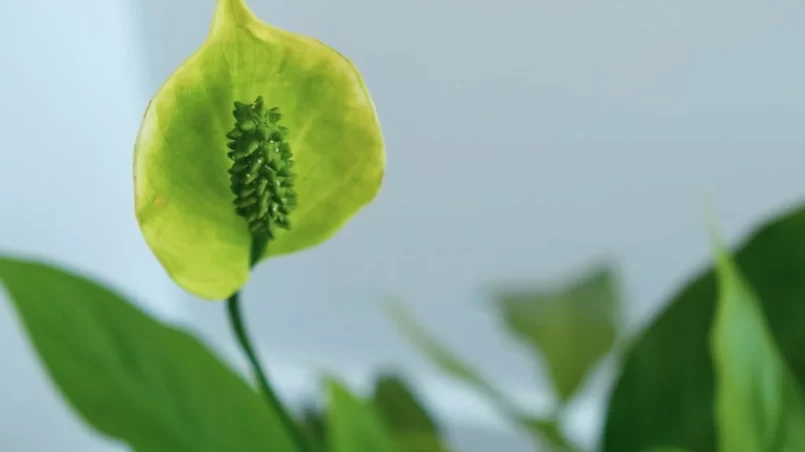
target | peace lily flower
x=260, y=131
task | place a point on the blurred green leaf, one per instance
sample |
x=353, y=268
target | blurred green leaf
x=542, y=429
x=438, y=354
x=571, y=327
x=759, y=406
x=412, y=427
x=314, y=426
x=353, y=424
x=665, y=449
x=152, y=386
x=665, y=393
x=547, y=431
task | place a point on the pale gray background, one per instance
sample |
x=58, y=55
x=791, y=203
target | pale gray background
x=526, y=139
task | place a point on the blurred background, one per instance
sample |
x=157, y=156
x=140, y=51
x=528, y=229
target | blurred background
x=526, y=140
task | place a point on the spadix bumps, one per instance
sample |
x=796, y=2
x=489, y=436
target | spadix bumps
x=304, y=149
x=261, y=176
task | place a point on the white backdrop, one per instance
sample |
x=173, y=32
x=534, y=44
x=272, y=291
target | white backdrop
x=71, y=80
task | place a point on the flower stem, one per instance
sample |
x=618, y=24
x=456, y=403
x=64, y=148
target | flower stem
x=239, y=328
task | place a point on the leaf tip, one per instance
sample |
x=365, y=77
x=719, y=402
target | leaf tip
x=229, y=13
x=723, y=265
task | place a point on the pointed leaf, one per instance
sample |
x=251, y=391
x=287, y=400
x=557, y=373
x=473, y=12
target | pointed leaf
x=184, y=203
x=759, y=406
x=665, y=393
x=410, y=424
x=571, y=328
x=440, y=356
x=353, y=424
x=151, y=386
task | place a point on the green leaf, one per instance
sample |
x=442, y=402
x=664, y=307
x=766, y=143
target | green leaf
x=665, y=449
x=666, y=391
x=571, y=327
x=353, y=424
x=410, y=424
x=183, y=200
x=548, y=432
x=542, y=429
x=313, y=426
x=151, y=386
x=443, y=358
x=759, y=406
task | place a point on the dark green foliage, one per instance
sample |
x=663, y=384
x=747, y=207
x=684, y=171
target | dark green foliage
x=314, y=426
x=665, y=393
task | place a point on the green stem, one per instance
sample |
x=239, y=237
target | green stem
x=239, y=328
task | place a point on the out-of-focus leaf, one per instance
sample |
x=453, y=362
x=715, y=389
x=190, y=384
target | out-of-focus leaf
x=571, y=327
x=410, y=424
x=759, y=406
x=353, y=424
x=314, y=427
x=548, y=432
x=439, y=355
x=152, y=386
x=443, y=358
x=183, y=200
x=450, y=364
x=665, y=449
x=665, y=393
